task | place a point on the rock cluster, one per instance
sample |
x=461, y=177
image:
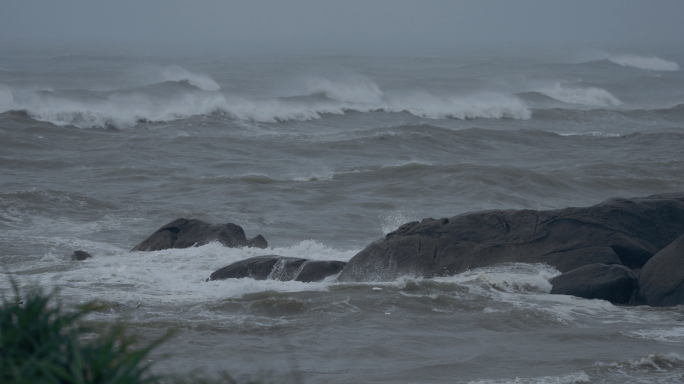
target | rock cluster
x=626, y=251
x=184, y=233
x=607, y=239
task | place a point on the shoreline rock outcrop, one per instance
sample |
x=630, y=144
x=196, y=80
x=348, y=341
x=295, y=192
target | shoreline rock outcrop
x=626, y=251
x=617, y=231
x=184, y=233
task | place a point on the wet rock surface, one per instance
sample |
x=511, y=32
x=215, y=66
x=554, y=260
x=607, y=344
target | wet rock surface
x=661, y=281
x=633, y=229
x=184, y=233
x=274, y=267
x=615, y=283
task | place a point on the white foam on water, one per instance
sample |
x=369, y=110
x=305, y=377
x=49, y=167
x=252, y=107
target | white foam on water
x=667, y=335
x=652, y=63
x=585, y=96
x=596, y=134
x=652, y=368
x=526, y=287
x=120, y=111
x=174, y=276
x=316, y=177
x=486, y=105
x=575, y=377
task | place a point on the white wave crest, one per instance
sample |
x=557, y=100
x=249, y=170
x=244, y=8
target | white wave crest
x=586, y=96
x=164, y=102
x=121, y=111
x=351, y=90
x=178, y=73
x=647, y=63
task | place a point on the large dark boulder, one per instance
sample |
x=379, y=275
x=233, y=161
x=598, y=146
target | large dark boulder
x=634, y=229
x=274, y=267
x=661, y=282
x=615, y=283
x=184, y=233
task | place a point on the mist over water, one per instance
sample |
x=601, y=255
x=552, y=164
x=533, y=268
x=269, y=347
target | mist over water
x=323, y=155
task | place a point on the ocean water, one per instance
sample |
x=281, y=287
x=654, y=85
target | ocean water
x=323, y=155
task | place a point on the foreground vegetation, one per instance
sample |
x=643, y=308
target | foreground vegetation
x=40, y=342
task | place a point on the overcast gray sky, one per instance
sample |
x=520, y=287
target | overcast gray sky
x=344, y=23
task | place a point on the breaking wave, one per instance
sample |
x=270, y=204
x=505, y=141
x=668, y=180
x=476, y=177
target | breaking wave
x=352, y=90
x=178, y=74
x=586, y=96
x=184, y=95
x=642, y=62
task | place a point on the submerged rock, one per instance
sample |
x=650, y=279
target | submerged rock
x=615, y=283
x=633, y=229
x=274, y=267
x=80, y=256
x=661, y=281
x=184, y=233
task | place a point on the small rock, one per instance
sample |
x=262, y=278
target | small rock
x=80, y=256
x=274, y=267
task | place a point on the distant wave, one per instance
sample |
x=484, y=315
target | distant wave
x=120, y=110
x=675, y=113
x=178, y=73
x=642, y=62
x=585, y=96
x=490, y=105
x=185, y=95
x=352, y=90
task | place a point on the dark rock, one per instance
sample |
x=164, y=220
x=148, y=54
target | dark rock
x=569, y=260
x=257, y=242
x=319, y=270
x=661, y=281
x=615, y=283
x=80, y=256
x=635, y=229
x=274, y=267
x=184, y=233
x=257, y=268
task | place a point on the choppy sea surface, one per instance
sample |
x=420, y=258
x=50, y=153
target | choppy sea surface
x=323, y=155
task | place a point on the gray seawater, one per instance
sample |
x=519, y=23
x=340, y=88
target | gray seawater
x=323, y=155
